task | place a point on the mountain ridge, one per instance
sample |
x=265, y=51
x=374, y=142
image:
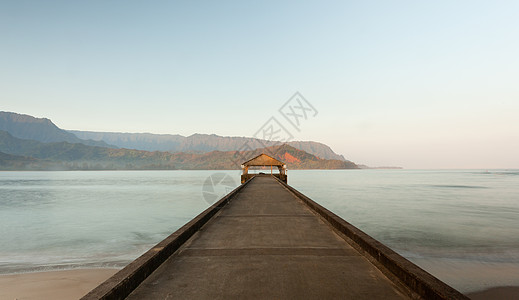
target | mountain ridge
x=44, y=130
x=39, y=129
x=77, y=156
x=199, y=143
x=39, y=143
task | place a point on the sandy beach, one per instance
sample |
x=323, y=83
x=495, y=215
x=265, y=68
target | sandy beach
x=73, y=284
x=477, y=280
x=496, y=293
x=58, y=285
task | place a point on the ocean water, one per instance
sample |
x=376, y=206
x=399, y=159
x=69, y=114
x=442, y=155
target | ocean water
x=61, y=220
x=461, y=226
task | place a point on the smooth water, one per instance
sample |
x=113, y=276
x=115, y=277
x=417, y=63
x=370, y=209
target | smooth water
x=462, y=226
x=56, y=220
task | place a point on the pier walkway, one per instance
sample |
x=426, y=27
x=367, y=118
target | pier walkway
x=267, y=242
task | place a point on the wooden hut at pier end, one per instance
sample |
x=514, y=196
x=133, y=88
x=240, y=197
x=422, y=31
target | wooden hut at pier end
x=263, y=160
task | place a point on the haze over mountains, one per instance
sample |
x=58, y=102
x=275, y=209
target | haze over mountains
x=38, y=144
x=39, y=129
x=34, y=155
x=198, y=143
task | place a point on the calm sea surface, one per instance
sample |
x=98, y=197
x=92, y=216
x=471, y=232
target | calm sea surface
x=462, y=226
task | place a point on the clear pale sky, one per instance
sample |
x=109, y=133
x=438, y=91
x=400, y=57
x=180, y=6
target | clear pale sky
x=417, y=84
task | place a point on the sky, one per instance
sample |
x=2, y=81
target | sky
x=416, y=84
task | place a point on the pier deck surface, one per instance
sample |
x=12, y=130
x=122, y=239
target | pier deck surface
x=267, y=244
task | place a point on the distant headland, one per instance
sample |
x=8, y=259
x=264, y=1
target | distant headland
x=29, y=143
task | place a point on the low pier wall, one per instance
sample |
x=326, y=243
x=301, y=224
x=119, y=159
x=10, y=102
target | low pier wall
x=121, y=284
x=415, y=278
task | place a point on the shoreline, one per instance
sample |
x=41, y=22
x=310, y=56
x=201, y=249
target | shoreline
x=496, y=293
x=75, y=283
x=58, y=285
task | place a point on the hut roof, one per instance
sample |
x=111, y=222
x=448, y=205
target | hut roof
x=263, y=160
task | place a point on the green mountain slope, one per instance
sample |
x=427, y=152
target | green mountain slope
x=15, y=162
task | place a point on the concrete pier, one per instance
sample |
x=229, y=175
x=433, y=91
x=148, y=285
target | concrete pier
x=266, y=242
